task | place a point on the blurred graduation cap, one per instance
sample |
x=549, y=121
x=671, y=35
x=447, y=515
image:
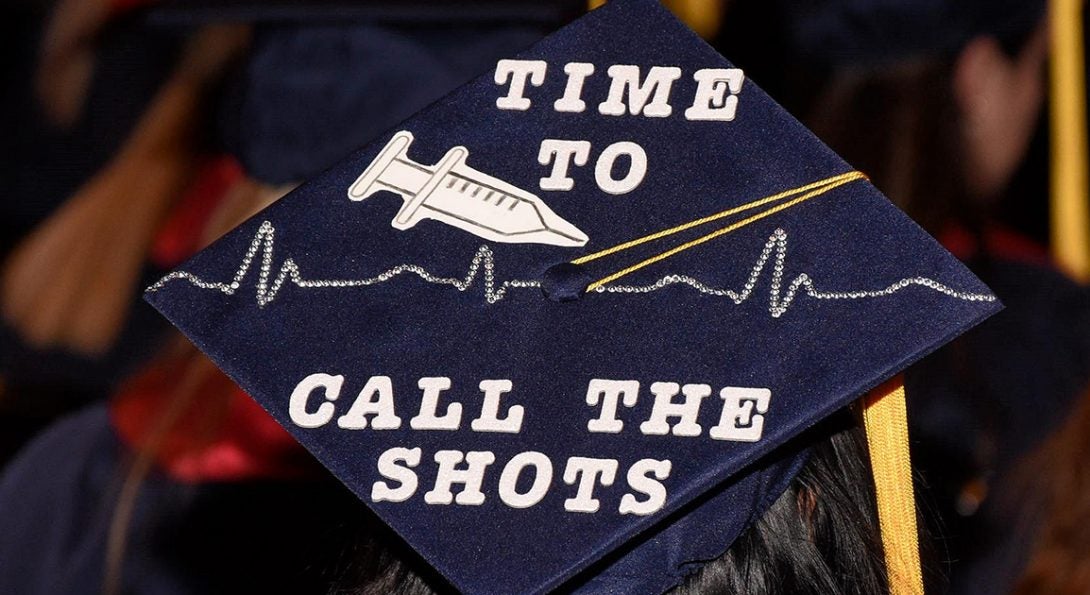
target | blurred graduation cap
x=877, y=32
x=848, y=33
x=396, y=11
x=315, y=65
x=559, y=328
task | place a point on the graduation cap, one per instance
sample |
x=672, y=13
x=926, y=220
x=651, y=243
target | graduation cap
x=332, y=12
x=878, y=32
x=313, y=66
x=563, y=318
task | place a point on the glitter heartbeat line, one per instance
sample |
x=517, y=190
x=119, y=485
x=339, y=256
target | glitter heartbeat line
x=775, y=249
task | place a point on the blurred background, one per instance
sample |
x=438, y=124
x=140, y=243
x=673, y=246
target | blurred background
x=137, y=131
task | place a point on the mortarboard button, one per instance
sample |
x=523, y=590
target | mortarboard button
x=738, y=283
x=565, y=282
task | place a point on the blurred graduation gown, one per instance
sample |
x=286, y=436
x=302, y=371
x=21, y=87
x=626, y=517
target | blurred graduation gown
x=199, y=523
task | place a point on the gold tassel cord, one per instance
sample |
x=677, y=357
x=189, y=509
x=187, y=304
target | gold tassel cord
x=807, y=192
x=820, y=184
x=886, y=421
x=1070, y=216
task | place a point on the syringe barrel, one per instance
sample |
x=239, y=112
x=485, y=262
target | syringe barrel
x=407, y=216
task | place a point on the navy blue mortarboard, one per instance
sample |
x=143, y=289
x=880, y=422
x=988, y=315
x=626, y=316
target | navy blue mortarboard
x=561, y=327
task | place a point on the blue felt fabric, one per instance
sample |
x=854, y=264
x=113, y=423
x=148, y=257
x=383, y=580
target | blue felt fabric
x=815, y=357
x=702, y=531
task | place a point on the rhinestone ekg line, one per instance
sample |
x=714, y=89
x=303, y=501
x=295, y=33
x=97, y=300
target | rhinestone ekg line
x=268, y=286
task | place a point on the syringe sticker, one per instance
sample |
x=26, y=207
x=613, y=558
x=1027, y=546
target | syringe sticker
x=456, y=194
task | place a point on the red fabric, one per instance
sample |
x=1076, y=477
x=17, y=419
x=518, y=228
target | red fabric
x=999, y=242
x=178, y=239
x=221, y=436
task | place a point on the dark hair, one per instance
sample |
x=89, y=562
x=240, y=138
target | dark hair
x=820, y=536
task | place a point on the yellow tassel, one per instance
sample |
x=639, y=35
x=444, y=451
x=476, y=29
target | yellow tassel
x=886, y=422
x=807, y=192
x=1070, y=217
x=703, y=16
